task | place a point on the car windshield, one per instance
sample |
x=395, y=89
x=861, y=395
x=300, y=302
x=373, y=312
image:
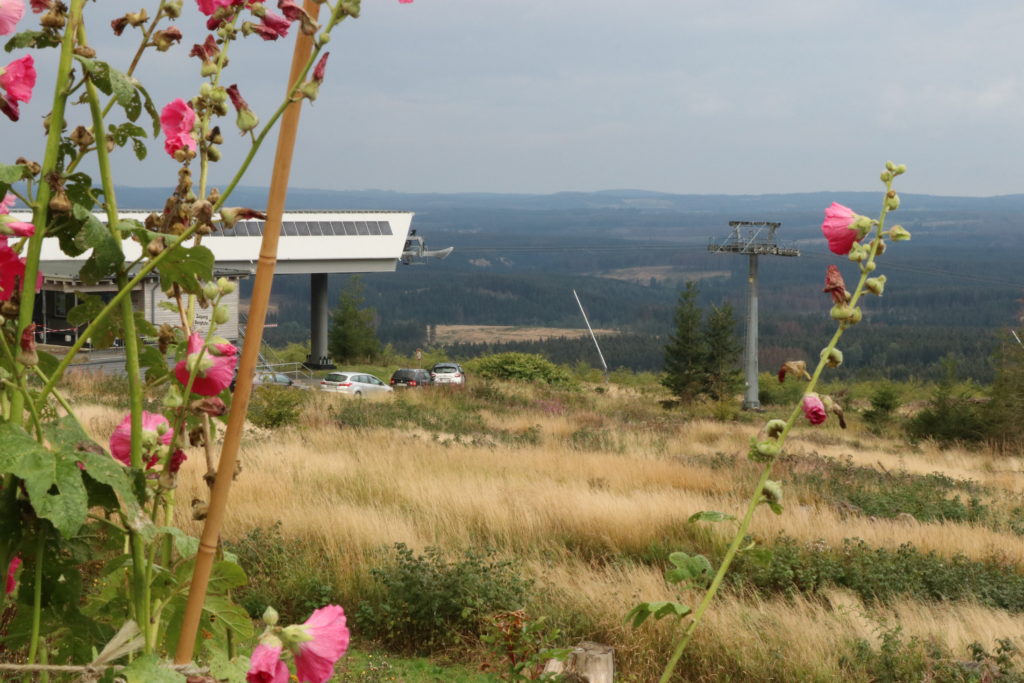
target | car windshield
x=446, y=368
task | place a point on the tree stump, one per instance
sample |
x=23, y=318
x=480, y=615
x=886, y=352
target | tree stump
x=587, y=663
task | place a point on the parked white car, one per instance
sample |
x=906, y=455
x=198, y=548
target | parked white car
x=353, y=383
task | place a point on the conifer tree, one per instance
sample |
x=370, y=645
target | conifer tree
x=685, y=352
x=353, y=335
x=722, y=376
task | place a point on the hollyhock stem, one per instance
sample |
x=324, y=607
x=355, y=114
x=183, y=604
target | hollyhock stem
x=23, y=388
x=141, y=570
x=42, y=204
x=755, y=499
x=37, y=594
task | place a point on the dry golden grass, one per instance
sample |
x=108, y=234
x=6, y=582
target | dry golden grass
x=563, y=511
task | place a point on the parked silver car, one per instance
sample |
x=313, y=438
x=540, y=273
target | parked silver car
x=353, y=383
x=448, y=373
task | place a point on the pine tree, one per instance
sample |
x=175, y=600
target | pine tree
x=352, y=335
x=722, y=376
x=685, y=352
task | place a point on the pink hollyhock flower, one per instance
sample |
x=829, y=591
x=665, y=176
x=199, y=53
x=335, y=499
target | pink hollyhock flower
x=214, y=373
x=326, y=640
x=19, y=78
x=121, y=439
x=838, y=228
x=321, y=68
x=272, y=26
x=17, y=228
x=177, y=120
x=12, y=569
x=12, y=271
x=265, y=665
x=11, y=12
x=40, y=6
x=814, y=409
x=208, y=7
x=7, y=202
x=176, y=461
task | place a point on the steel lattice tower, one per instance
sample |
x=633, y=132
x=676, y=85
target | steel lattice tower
x=753, y=238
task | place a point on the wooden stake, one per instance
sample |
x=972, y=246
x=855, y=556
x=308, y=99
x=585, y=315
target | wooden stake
x=250, y=352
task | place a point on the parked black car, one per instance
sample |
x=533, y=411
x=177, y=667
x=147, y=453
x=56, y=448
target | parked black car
x=411, y=377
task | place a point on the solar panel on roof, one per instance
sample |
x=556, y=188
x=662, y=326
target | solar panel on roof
x=303, y=228
x=314, y=228
x=350, y=227
x=361, y=228
x=289, y=229
x=374, y=227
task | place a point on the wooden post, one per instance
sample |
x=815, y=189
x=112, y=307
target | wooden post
x=250, y=352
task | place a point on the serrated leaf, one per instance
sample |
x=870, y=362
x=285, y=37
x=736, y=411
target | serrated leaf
x=658, y=610
x=37, y=39
x=147, y=104
x=52, y=480
x=106, y=258
x=11, y=174
x=150, y=669
x=154, y=363
x=87, y=311
x=139, y=147
x=638, y=614
x=224, y=669
x=687, y=568
x=122, y=133
x=188, y=267
x=711, y=516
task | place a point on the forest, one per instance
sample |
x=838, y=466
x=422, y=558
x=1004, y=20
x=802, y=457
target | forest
x=517, y=259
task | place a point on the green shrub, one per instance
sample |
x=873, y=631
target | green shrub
x=880, y=574
x=884, y=402
x=425, y=603
x=525, y=367
x=771, y=392
x=287, y=574
x=273, y=406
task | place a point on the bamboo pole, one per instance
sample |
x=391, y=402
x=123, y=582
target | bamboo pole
x=250, y=352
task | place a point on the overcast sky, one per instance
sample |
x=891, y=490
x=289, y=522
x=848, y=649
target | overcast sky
x=709, y=96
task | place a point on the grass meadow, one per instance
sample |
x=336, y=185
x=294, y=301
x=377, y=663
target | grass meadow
x=889, y=562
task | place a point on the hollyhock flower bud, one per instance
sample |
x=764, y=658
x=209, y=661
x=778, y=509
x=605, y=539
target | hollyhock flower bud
x=226, y=286
x=898, y=234
x=311, y=89
x=318, y=643
x=855, y=316
x=885, y=176
x=763, y=451
x=892, y=200
x=177, y=120
x=875, y=285
x=868, y=267
x=32, y=167
x=774, y=428
x=177, y=458
x=121, y=439
x=842, y=227
x=834, y=408
x=772, y=491
x=11, y=12
x=12, y=572
x=59, y=202
x=221, y=314
x=173, y=9
x=270, y=616
x=231, y=215
x=27, y=347
x=833, y=357
x=900, y=169
x=163, y=40
x=889, y=166
x=814, y=409
x=82, y=137
x=137, y=19
x=796, y=367
x=246, y=120
x=211, y=291
x=835, y=286
x=841, y=312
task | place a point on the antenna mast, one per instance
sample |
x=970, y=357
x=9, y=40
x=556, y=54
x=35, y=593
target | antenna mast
x=753, y=238
x=591, y=330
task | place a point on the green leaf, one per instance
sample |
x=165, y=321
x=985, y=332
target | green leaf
x=85, y=312
x=230, y=615
x=133, y=107
x=188, y=267
x=711, y=516
x=688, y=569
x=11, y=174
x=150, y=669
x=658, y=610
x=106, y=258
x=776, y=508
x=154, y=363
x=147, y=104
x=52, y=480
x=122, y=133
x=224, y=669
x=36, y=39
x=139, y=147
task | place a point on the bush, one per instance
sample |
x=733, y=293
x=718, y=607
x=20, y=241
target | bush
x=273, y=406
x=884, y=402
x=426, y=603
x=285, y=573
x=526, y=367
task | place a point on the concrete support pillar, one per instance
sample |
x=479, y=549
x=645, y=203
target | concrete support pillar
x=319, y=316
x=751, y=399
